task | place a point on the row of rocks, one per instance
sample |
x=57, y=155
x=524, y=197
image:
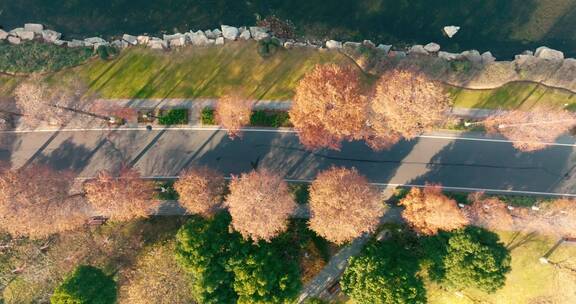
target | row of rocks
x=32, y=31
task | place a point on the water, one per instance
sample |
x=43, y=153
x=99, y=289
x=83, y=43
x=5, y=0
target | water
x=505, y=27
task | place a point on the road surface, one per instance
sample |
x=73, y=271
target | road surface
x=458, y=161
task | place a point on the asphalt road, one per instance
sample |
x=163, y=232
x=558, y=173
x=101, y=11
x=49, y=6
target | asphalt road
x=476, y=162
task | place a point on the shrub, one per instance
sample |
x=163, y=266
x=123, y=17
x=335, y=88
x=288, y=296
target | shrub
x=274, y=119
x=173, y=117
x=35, y=56
x=105, y=52
x=86, y=284
x=268, y=47
x=207, y=117
x=281, y=28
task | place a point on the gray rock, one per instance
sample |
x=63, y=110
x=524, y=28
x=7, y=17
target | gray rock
x=385, y=48
x=14, y=32
x=245, y=35
x=198, y=38
x=289, y=44
x=130, y=39
x=175, y=40
x=548, y=53
x=14, y=40
x=351, y=45
x=157, y=43
x=418, y=49
x=368, y=43
x=209, y=34
x=217, y=33
x=143, y=39
x=472, y=56
x=59, y=42
x=230, y=32
x=50, y=35
x=528, y=52
x=333, y=44
x=300, y=44
x=3, y=34
x=211, y=41
x=432, y=47
x=259, y=33
x=75, y=43
x=121, y=44
x=34, y=27
x=451, y=30
x=448, y=56
x=219, y=41
x=22, y=34
x=487, y=58
x=93, y=40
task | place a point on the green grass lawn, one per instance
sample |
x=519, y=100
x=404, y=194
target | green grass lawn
x=521, y=95
x=203, y=72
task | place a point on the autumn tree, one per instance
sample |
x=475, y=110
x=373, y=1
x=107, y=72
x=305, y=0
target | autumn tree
x=260, y=204
x=406, y=103
x=488, y=212
x=233, y=112
x=42, y=103
x=121, y=197
x=468, y=258
x=428, y=210
x=36, y=201
x=157, y=278
x=343, y=205
x=531, y=130
x=200, y=190
x=86, y=284
x=328, y=107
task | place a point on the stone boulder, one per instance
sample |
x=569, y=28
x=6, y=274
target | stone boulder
x=175, y=40
x=143, y=39
x=487, y=58
x=333, y=44
x=22, y=34
x=259, y=33
x=451, y=30
x=289, y=44
x=157, y=43
x=209, y=34
x=384, y=48
x=3, y=34
x=368, y=43
x=59, y=42
x=75, y=43
x=34, y=27
x=121, y=44
x=93, y=40
x=417, y=49
x=351, y=45
x=14, y=40
x=130, y=39
x=548, y=53
x=448, y=56
x=472, y=56
x=219, y=41
x=432, y=47
x=230, y=32
x=245, y=34
x=50, y=35
x=198, y=38
x=217, y=33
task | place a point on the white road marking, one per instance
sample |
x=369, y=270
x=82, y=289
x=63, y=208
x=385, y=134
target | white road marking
x=267, y=130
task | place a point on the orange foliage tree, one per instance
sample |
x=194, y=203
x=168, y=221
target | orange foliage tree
x=328, y=107
x=200, y=190
x=122, y=197
x=531, y=130
x=343, y=205
x=488, y=212
x=35, y=201
x=260, y=204
x=406, y=103
x=233, y=112
x=428, y=210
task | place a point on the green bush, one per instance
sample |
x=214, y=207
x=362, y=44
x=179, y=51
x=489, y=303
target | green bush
x=86, y=284
x=33, y=56
x=105, y=52
x=207, y=117
x=460, y=66
x=173, y=117
x=268, y=47
x=274, y=119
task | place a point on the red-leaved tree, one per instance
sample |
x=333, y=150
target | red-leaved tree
x=233, y=112
x=200, y=190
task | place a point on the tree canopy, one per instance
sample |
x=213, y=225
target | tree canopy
x=200, y=190
x=470, y=257
x=385, y=273
x=86, y=285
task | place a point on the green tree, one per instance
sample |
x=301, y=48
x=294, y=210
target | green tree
x=470, y=257
x=86, y=284
x=204, y=247
x=385, y=273
x=265, y=273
